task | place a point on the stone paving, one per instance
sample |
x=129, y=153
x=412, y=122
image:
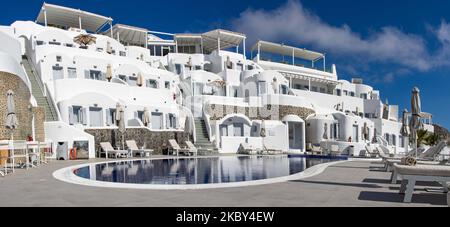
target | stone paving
x=355, y=183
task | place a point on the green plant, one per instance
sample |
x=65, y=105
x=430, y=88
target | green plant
x=432, y=139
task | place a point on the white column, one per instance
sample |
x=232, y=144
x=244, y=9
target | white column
x=79, y=21
x=259, y=51
x=244, y=51
x=237, y=49
x=309, y=84
x=324, y=63
x=45, y=17
x=293, y=56
x=201, y=43
x=111, y=28
x=290, y=82
x=176, y=46
x=218, y=43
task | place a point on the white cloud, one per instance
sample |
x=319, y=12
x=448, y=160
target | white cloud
x=293, y=23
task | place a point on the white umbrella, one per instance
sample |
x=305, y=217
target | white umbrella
x=120, y=119
x=415, y=123
x=140, y=80
x=109, y=72
x=405, y=129
x=366, y=131
x=146, y=118
x=275, y=85
x=11, y=118
x=263, y=133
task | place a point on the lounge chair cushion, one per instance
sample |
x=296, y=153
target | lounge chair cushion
x=424, y=170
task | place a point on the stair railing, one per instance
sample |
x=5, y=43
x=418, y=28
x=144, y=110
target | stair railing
x=36, y=77
x=206, y=119
x=52, y=104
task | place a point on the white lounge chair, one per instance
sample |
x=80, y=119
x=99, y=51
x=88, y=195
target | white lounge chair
x=428, y=173
x=426, y=157
x=176, y=149
x=108, y=150
x=245, y=148
x=134, y=150
x=192, y=149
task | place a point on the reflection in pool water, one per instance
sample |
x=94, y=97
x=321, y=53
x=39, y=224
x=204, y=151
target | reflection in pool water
x=199, y=170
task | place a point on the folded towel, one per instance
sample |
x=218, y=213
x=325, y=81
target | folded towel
x=409, y=161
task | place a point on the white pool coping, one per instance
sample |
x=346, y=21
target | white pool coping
x=67, y=175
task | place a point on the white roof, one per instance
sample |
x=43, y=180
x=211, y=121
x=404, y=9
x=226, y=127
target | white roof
x=129, y=34
x=292, y=118
x=286, y=50
x=68, y=17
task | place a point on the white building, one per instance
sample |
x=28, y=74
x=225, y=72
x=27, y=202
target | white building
x=201, y=84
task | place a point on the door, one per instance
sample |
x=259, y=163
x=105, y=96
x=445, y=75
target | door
x=238, y=129
x=295, y=136
x=355, y=137
x=156, y=121
x=58, y=73
x=95, y=115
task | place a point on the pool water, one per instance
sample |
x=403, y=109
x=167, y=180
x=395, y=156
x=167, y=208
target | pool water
x=190, y=171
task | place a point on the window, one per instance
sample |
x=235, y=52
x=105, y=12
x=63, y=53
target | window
x=387, y=138
x=240, y=67
x=363, y=96
x=122, y=53
x=58, y=73
x=352, y=94
x=223, y=130
x=334, y=131
x=132, y=81
x=322, y=90
x=139, y=115
x=298, y=86
x=96, y=116
x=284, y=89
x=110, y=117
x=250, y=67
x=345, y=92
x=198, y=67
x=338, y=92
x=402, y=141
x=394, y=140
x=238, y=129
x=123, y=77
x=39, y=42
x=262, y=88
x=95, y=75
x=58, y=59
x=314, y=89
x=178, y=69
x=167, y=85
x=72, y=72
x=235, y=91
x=171, y=121
x=54, y=43
x=152, y=83
x=75, y=115
x=69, y=45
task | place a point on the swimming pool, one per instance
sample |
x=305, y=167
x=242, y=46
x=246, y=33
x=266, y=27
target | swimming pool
x=199, y=171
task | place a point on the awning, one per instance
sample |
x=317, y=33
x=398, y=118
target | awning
x=188, y=39
x=312, y=78
x=227, y=39
x=129, y=34
x=71, y=18
x=286, y=50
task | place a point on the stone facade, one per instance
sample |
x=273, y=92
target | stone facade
x=24, y=109
x=269, y=112
x=158, y=141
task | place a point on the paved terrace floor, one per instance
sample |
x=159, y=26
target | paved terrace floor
x=354, y=183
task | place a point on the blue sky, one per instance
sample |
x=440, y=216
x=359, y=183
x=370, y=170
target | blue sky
x=392, y=45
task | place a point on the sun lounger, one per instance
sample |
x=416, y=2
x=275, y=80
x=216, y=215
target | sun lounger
x=428, y=173
x=245, y=148
x=110, y=151
x=192, y=149
x=134, y=150
x=176, y=149
x=424, y=157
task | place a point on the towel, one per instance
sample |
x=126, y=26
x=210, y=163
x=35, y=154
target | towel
x=409, y=161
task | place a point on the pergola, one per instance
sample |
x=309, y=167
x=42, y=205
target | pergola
x=129, y=34
x=72, y=18
x=218, y=39
x=285, y=50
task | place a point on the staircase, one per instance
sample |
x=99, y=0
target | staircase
x=204, y=146
x=37, y=90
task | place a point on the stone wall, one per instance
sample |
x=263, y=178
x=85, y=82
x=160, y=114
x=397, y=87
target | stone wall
x=269, y=112
x=158, y=141
x=24, y=109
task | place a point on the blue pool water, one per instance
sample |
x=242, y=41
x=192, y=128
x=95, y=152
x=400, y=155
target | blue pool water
x=200, y=170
